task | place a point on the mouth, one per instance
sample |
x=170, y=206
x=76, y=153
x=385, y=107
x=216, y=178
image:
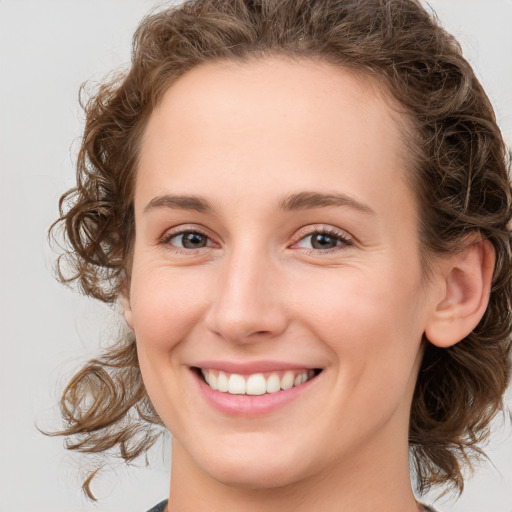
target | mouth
x=255, y=384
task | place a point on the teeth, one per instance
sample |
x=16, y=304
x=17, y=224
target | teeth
x=273, y=384
x=222, y=382
x=236, y=385
x=213, y=381
x=255, y=384
x=287, y=380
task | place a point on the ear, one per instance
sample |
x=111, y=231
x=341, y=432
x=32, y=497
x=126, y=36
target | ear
x=127, y=311
x=126, y=305
x=466, y=284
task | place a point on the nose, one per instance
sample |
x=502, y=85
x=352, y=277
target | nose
x=246, y=305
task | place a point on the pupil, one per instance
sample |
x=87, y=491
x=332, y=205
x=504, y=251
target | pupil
x=323, y=241
x=193, y=240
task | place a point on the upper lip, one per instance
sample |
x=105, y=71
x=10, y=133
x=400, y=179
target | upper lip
x=252, y=367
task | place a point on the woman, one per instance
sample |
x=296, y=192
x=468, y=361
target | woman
x=304, y=211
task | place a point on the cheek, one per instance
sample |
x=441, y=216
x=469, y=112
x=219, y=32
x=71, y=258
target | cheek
x=373, y=331
x=166, y=308
x=165, y=305
x=365, y=317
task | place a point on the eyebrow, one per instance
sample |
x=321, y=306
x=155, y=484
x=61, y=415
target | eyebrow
x=195, y=203
x=292, y=202
x=309, y=200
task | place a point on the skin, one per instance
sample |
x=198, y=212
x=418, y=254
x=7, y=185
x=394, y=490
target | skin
x=244, y=137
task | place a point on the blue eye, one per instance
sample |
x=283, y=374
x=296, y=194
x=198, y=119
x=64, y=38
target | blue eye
x=189, y=240
x=323, y=241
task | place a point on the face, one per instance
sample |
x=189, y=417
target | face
x=277, y=257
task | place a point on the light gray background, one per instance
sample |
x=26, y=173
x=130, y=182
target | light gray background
x=47, y=49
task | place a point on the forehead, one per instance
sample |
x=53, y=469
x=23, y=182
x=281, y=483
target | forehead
x=278, y=119
x=274, y=90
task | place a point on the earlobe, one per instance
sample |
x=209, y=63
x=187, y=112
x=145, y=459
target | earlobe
x=467, y=277
x=127, y=309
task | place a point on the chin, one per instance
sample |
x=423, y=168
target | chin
x=249, y=476
x=255, y=465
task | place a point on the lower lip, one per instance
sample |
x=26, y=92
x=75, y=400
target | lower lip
x=251, y=405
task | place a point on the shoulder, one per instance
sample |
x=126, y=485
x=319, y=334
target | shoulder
x=159, y=508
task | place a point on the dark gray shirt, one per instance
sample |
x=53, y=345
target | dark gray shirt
x=159, y=508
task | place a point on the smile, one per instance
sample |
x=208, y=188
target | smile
x=256, y=383
x=253, y=389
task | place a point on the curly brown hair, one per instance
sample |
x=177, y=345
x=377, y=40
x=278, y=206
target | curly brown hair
x=458, y=174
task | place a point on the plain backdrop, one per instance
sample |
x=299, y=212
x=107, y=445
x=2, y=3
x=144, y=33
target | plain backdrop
x=47, y=49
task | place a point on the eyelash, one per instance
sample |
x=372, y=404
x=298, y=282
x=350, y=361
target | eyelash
x=166, y=239
x=341, y=240
x=339, y=237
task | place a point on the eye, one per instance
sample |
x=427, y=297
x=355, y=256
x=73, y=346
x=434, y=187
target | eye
x=323, y=240
x=188, y=240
